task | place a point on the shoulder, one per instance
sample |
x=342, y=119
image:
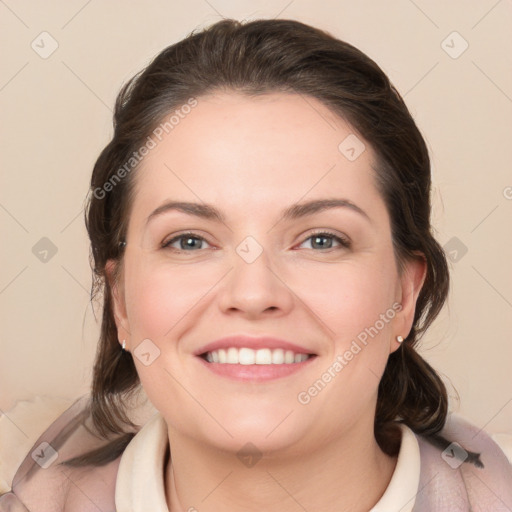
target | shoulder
x=43, y=483
x=463, y=470
x=20, y=427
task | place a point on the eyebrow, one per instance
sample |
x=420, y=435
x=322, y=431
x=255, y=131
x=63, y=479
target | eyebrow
x=294, y=211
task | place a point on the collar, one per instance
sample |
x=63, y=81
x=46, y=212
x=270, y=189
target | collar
x=401, y=491
x=140, y=478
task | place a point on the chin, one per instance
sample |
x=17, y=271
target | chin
x=267, y=432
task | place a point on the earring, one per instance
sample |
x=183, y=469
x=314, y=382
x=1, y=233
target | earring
x=399, y=339
x=123, y=346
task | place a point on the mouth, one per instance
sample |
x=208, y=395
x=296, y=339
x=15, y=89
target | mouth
x=248, y=358
x=245, y=364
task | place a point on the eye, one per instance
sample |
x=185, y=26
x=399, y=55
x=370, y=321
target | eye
x=325, y=239
x=187, y=242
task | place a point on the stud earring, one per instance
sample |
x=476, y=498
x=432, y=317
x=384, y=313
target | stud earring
x=123, y=346
x=399, y=339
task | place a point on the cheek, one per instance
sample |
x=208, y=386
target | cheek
x=355, y=305
x=162, y=302
x=159, y=296
x=349, y=297
x=354, y=302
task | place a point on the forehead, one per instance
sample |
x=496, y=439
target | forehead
x=255, y=151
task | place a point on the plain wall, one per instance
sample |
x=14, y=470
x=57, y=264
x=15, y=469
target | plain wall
x=56, y=118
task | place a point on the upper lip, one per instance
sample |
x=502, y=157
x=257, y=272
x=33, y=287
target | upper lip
x=253, y=342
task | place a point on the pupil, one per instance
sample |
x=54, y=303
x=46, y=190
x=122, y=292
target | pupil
x=317, y=238
x=190, y=242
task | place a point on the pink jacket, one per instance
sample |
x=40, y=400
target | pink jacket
x=481, y=483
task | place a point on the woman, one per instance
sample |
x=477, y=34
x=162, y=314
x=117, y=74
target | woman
x=260, y=228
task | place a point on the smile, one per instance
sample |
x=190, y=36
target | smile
x=248, y=365
x=248, y=356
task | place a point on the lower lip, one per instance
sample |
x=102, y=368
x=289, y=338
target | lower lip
x=255, y=372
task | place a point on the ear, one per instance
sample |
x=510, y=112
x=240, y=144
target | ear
x=410, y=283
x=118, y=301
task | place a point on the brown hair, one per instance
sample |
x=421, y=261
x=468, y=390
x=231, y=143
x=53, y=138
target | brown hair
x=256, y=58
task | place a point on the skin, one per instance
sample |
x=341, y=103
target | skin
x=251, y=157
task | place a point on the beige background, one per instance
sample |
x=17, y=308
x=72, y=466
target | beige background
x=56, y=114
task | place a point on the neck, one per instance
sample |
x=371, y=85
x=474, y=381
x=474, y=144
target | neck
x=347, y=474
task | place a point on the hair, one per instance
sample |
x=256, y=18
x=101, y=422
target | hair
x=255, y=58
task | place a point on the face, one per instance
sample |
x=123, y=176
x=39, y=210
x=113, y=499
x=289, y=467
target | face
x=321, y=281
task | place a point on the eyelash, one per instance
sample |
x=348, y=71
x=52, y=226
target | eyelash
x=343, y=241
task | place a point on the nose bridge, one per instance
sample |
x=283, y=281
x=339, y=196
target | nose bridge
x=254, y=284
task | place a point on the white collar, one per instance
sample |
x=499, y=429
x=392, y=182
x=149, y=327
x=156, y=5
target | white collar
x=140, y=478
x=401, y=491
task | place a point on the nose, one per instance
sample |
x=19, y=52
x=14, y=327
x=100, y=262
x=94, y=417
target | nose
x=255, y=287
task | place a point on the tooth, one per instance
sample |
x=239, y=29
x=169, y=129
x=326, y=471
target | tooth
x=264, y=356
x=289, y=357
x=232, y=355
x=246, y=356
x=278, y=356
